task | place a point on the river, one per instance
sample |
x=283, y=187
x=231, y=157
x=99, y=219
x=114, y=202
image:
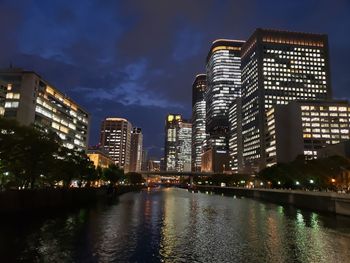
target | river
x=174, y=225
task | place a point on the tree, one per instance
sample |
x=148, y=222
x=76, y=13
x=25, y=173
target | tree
x=86, y=168
x=26, y=151
x=315, y=173
x=99, y=173
x=134, y=178
x=113, y=174
x=228, y=179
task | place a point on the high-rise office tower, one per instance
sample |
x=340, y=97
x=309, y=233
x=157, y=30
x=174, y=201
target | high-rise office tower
x=278, y=67
x=31, y=99
x=171, y=124
x=115, y=138
x=198, y=120
x=183, y=146
x=178, y=138
x=223, y=86
x=235, y=136
x=136, y=150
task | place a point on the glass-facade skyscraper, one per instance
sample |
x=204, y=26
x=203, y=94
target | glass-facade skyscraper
x=183, y=146
x=136, y=150
x=198, y=120
x=223, y=86
x=278, y=67
x=178, y=138
x=223, y=81
x=171, y=124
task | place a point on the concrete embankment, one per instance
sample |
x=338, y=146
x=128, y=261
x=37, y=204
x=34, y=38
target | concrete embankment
x=318, y=201
x=14, y=201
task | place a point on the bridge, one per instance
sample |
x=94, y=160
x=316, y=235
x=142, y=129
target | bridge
x=175, y=173
x=191, y=175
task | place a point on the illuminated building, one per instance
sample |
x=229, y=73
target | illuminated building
x=235, y=136
x=183, y=146
x=303, y=128
x=3, y=89
x=171, y=125
x=136, y=150
x=278, y=67
x=177, y=143
x=31, y=99
x=153, y=165
x=99, y=157
x=198, y=120
x=223, y=86
x=115, y=139
x=214, y=161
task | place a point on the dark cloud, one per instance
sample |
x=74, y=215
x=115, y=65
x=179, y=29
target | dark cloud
x=137, y=59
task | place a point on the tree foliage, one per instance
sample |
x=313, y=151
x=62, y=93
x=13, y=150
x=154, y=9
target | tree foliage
x=134, y=178
x=318, y=171
x=32, y=156
x=113, y=174
x=228, y=179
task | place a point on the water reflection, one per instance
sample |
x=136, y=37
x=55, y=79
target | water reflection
x=51, y=241
x=173, y=225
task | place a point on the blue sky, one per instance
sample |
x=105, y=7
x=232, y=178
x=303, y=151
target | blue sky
x=137, y=59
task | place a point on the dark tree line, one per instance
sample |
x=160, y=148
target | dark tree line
x=323, y=173
x=227, y=179
x=33, y=157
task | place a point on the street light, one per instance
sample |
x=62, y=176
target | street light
x=297, y=183
x=311, y=181
x=333, y=180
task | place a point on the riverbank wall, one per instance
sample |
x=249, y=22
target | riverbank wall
x=14, y=201
x=318, y=201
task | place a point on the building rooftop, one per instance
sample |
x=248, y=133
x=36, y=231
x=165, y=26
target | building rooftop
x=116, y=119
x=49, y=86
x=286, y=37
x=97, y=150
x=230, y=44
x=201, y=75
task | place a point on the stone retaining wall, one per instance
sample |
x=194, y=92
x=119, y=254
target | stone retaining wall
x=30, y=200
x=318, y=201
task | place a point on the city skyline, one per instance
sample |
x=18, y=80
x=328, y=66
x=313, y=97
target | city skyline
x=174, y=131
x=144, y=79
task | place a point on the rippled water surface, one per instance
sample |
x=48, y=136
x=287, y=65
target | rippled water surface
x=174, y=225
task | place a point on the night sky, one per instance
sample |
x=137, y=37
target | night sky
x=137, y=59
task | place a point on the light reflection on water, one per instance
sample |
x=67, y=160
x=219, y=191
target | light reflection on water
x=173, y=225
